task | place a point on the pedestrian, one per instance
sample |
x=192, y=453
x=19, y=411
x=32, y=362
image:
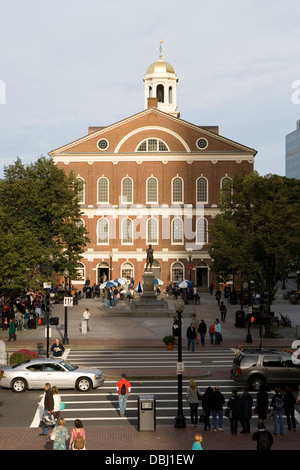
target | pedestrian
x=57, y=348
x=60, y=435
x=202, y=331
x=223, y=311
x=57, y=402
x=212, y=333
x=19, y=320
x=106, y=298
x=262, y=404
x=206, y=406
x=78, y=436
x=238, y=351
x=211, y=288
x=289, y=402
x=86, y=316
x=12, y=330
x=191, y=335
x=218, y=332
x=26, y=319
x=195, y=322
x=245, y=410
x=123, y=388
x=233, y=408
x=197, y=444
x=193, y=398
x=218, y=295
x=217, y=402
x=278, y=405
x=263, y=437
x=48, y=404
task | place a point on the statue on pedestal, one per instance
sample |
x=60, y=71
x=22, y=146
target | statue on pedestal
x=149, y=260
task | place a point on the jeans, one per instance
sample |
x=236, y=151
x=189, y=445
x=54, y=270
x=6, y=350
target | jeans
x=194, y=412
x=278, y=416
x=290, y=419
x=217, y=414
x=45, y=429
x=123, y=402
x=26, y=324
x=202, y=336
x=191, y=341
x=107, y=303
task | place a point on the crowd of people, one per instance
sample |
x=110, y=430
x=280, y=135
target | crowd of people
x=239, y=411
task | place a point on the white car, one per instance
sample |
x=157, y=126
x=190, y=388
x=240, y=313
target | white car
x=34, y=374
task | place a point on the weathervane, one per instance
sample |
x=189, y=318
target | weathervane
x=160, y=48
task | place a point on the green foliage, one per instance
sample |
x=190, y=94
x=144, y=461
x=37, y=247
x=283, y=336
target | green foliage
x=22, y=355
x=257, y=232
x=39, y=217
x=169, y=339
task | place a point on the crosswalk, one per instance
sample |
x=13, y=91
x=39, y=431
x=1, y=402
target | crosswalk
x=101, y=407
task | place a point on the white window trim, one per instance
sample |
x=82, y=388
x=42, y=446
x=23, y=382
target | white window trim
x=102, y=150
x=199, y=178
x=171, y=271
x=122, y=195
x=83, y=189
x=122, y=267
x=172, y=231
x=147, y=200
x=98, y=223
x=157, y=231
x=98, y=180
x=172, y=190
x=199, y=242
x=150, y=151
x=122, y=231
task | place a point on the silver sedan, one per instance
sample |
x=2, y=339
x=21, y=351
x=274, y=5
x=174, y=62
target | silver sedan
x=35, y=373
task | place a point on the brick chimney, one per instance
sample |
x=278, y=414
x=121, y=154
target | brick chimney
x=152, y=102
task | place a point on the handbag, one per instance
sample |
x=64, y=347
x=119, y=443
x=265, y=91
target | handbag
x=62, y=405
x=52, y=434
x=270, y=413
x=228, y=413
x=49, y=420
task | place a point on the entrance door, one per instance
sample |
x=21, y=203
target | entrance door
x=202, y=275
x=103, y=274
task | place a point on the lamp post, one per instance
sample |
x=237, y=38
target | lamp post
x=65, y=338
x=179, y=419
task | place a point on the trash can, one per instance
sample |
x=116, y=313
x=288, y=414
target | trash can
x=240, y=319
x=146, y=413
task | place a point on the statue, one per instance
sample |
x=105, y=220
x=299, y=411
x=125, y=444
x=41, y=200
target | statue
x=149, y=259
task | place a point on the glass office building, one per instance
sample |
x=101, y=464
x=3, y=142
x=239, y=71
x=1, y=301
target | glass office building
x=292, y=153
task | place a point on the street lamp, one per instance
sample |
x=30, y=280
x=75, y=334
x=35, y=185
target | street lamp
x=65, y=338
x=179, y=419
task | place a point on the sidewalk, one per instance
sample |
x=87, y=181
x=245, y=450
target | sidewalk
x=135, y=332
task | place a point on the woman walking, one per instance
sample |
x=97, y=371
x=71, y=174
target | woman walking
x=193, y=398
x=78, y=436
x=57, y=402
x=206, y=406
x=60, y=434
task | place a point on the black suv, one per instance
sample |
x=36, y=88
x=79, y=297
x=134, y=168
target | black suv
x=266, y=366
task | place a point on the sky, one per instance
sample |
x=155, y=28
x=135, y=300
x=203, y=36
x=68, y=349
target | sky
x=66, y=65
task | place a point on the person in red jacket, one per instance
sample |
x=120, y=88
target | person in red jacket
x=123, y=388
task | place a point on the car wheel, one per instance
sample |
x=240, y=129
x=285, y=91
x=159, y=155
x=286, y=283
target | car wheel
x=256, y=382
x=83, y=384
x=19, y=385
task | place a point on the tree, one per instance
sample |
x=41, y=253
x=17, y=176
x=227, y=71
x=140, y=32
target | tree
x=258, y=230
x=39, y=217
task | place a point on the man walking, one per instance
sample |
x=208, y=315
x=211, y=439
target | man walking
x=245, y=408
x=218, y=332
x=217, y=401
x=48, y=405
x=191, y=335
x=123, y=388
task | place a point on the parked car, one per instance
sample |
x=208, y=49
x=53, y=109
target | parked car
x=254, y=367
x=34, y=374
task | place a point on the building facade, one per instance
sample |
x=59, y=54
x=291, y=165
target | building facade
x=292, y=153
x=152, y=178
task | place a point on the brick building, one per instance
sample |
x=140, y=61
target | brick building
x=152, y=178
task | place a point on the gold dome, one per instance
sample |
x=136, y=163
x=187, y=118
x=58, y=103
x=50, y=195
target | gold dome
x=160, y=66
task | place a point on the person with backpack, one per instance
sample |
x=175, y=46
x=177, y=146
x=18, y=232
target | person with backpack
x=263, y=437
x=123, y=388
x=277, y=404
x=78, y=436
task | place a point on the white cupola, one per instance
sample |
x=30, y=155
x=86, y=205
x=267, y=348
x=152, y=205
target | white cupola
x=161, y=86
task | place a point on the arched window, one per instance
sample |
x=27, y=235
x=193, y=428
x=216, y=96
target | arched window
x=177, y=272
x=152, y=190
x=127, y=271
x=127, y=231
x=150, y=91
x=152, y=230
x=127, y=191
x=177, y=190
x=81, y=191
x=201, y=231
x=80, y=269
x=160, y=93
x=170, y=95
x=177, y=230
x=152, y=145
x=202, y=190
x=103, y=190
x=102, y=232
x=226, y=185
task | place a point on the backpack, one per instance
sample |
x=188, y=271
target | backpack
x=278, y=403
x=79, y=441
x=123, y=389
x=263, y=441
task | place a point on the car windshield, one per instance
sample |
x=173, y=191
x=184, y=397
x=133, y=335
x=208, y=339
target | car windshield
x=68, y=366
